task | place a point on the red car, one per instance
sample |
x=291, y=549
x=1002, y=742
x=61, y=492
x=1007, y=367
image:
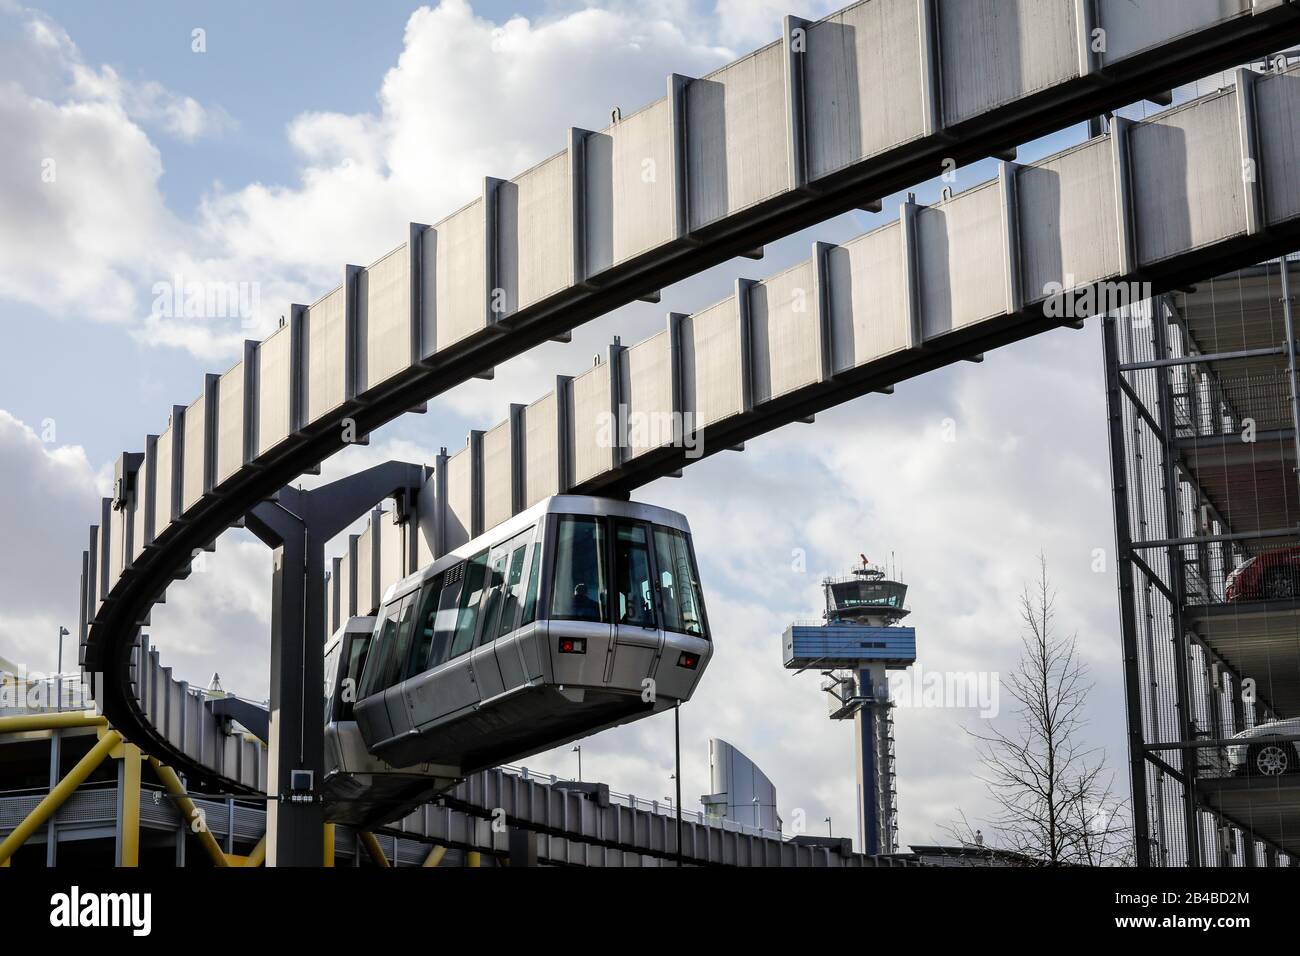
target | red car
x=1268, y=576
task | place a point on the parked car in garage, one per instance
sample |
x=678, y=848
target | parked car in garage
x=1273, y=575
x=1267, y=752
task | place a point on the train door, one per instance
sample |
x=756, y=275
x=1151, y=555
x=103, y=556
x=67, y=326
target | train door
x=399, y=715
x=448, y=685
x=638, y=639
x=487, y=673
x=579, y=630
x=503, y=622
x=370, y=709
x=346, y=661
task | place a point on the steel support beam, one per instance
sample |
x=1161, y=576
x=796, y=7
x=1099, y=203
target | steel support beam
x=1191, y=821
x=1127, y=607
x=1289, y=318
x=298, y=524
x=128, y=807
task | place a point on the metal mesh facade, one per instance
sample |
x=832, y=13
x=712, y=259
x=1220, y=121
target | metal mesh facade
x=1201, y=406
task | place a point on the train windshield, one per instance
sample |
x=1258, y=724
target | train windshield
x=652, y=566
x=581, y=589
x=344, y=682
x=679, y=585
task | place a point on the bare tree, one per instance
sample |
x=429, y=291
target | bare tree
x=1053, y=795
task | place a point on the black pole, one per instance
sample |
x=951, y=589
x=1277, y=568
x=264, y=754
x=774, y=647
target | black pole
x=677, y=743
x=1127, y=599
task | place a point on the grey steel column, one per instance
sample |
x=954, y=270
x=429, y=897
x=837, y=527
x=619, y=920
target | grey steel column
x=864, y=724
x=1191, y=823
x=1290, y=357
x=295, y=833
x=297, y=526
x=51, y=826
x=1127, y=614
x=522, y=847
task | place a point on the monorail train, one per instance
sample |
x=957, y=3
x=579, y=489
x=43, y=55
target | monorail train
x=361, y=789
x=576, y=615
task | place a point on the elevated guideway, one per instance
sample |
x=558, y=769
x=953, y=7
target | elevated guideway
x=860, y=317
x=1162, y=202
x=861, y=103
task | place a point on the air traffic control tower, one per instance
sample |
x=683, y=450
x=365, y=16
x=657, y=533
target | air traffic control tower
x=859, y=640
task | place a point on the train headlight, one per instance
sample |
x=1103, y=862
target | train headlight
x=573, y=645
x=688, y=660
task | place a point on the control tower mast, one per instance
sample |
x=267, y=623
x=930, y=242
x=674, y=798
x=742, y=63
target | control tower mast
x=859, y=640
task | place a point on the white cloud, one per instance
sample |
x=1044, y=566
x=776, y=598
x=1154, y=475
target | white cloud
x=467, y=98
x=51, y=496
x=749, y=23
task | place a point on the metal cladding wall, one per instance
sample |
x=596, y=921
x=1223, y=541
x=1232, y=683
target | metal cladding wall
x=902, y=288
x=980, y=263
x=274, y=395
x=964, y=85
x=188, y=725
x=847, y=645
x=737, y=784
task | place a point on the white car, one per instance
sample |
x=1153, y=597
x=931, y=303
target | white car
x=1265, y=755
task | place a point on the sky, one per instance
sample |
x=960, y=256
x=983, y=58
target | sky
x=270, y=144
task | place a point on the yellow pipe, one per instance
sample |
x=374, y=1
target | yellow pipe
x=435, y=856
x=329, y=844
x=52, y=721
x=472, y=858
x=373, y=848
x=193, y=818
x=56, y=797
x=257, y=855
x=130, y=805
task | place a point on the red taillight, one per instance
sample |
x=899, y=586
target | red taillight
x=688, y=660
x=573, y=645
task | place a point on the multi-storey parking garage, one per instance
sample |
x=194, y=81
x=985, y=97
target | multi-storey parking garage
x=1203, y=416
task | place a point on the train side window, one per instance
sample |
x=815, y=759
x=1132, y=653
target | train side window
x=381, y=645
x=424, y=621
x=356, y=664
x=680, y=598
x=331, y=674
x=581, y=592
x=396, y=656
x=534, y=581
x=510, y=595
x=498, y=561
x=471, y=595
x=444, y=623
x=632, y=570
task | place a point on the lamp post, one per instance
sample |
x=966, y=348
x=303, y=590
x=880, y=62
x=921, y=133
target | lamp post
x=677, y=775
x=827, y=821
x=58, y=680
x=578, y=751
